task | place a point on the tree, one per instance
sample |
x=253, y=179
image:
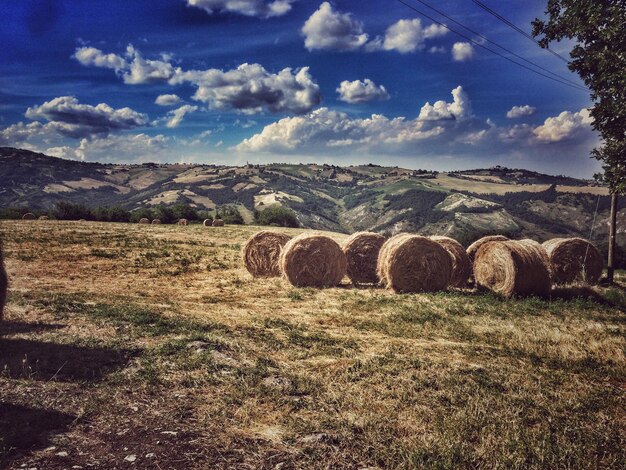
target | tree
x=277, y=216
x=599, y=58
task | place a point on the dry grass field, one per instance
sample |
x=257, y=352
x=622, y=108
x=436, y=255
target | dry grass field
x=128, y=346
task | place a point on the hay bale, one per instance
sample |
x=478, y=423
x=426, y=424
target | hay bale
x=313, y=261
x=474, y=247
x=218, y=223
x=29, y=216
x=261, y=253
x=183, y=222
x=44, y=217
x=361, y=251
x=156, y=222
x=144, y=221
x=513, y=268
x=574, y=260
x=82, y=220
x=208, y=223
x=461, y=264
x=412, y=263
x=4, y=283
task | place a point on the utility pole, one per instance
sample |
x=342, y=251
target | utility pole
x=612, y=239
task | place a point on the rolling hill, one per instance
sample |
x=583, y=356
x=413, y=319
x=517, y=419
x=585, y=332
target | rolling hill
x=463, y=204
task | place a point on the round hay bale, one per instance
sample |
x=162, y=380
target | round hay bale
x=513, y=268
x=183, y=222
x=412, y=263
x=82, y=220
x=144, y=221
x=573, y=260
x=29, y=216
x=156, y=222
x=313, y=261
x=4, y=283
x=261, y=253
x=208, y=223
x=43, y=217
x=361, y=251
x=218, y=223
x=473, y=248
x=461, y=264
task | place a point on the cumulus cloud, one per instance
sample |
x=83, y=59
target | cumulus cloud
x=256, y=8
x=69, y=117
x=520, y=111
x=249, y=88
x=406, y=36
x=20, y=132
x=358, y=91
x=167, y=100
x=564, y=126
x=463, y=51
x=136, y=147
x=440, y=110
x=331, y=30
x=324, y=129
x=176, y=116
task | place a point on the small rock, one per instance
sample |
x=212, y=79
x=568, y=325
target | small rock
x=314, y=438
x=196, y=345
x=151, y=455
x=49, y=449
x=279, y=383
x=130, y=458
x=222, y=359
x=62, y=454
x=170, y=433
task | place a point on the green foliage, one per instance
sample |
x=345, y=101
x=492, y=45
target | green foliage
x=597, y=29
x=355, y=199
x=69, y=211
x=184, y=211
x=230, y=215
x=165, y=214
x=111, y=214
x=141, y=213
x=277, y=216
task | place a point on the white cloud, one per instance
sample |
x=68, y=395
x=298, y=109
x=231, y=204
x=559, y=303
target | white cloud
x=406, y=36
x=324, y=129
x=133, y=67
x=358, y=91
x=257, y=8
x=167, y=100
x=520, y=111
x=69, y=117
x=458, y=109
x=19, y=132
x=564, y=126
x=134, y=147
x=176, y=116
x=332, y=30
x=437, y=50
x=463, y=51
x=249, y=88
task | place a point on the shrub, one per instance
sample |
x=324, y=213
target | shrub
x=277, y=216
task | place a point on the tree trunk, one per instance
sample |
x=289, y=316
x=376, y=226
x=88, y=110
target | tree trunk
x=612, y=236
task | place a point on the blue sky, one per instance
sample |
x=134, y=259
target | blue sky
x=229, y=81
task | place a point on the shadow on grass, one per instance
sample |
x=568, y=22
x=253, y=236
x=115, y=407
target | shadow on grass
x=16, y=327
x=36, y=360
x=609, y=298
x=23, y=429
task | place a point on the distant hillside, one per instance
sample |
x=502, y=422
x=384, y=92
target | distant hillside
x=464, y=204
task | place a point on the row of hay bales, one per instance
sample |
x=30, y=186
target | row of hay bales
x=185, y=222
x=413, y=263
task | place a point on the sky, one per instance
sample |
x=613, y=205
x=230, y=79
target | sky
x=342, y=82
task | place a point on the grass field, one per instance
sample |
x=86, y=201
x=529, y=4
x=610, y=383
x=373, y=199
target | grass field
x=128, y=346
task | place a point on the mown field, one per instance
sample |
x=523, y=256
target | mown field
x=128, y=346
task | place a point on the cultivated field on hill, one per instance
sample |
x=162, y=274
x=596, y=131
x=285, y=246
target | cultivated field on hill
x=151, y=347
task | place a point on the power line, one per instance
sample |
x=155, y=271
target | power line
x=498, y=45
x=476, y=43
x=518, y=29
